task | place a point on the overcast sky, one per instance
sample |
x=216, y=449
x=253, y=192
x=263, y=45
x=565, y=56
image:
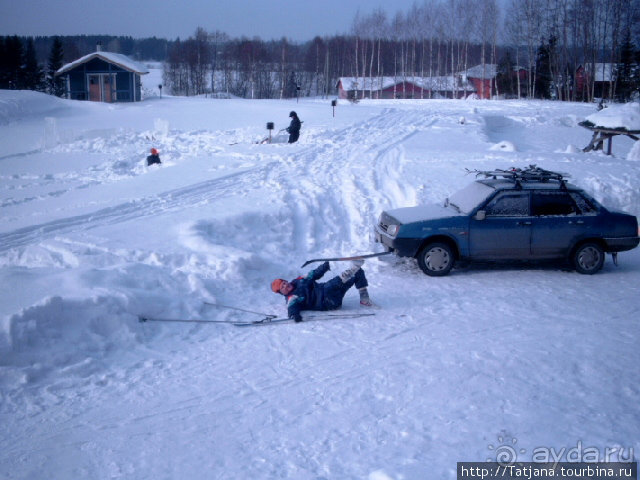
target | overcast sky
x=298, y=20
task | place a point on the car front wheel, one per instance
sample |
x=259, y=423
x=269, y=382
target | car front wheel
x=436, y=259
x=588, y=258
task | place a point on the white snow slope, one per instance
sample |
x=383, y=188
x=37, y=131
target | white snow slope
x=461, y=368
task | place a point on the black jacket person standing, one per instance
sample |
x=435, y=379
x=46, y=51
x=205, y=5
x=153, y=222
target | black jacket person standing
x=294, y=127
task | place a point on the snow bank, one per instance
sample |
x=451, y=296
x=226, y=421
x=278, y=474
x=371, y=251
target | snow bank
x=616, y=117
x=63, y=337
x=634, y=153
x=504, y=146
x=16, y=105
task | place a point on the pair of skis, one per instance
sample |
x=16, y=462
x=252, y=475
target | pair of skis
x=305, y=319
x=268, y=320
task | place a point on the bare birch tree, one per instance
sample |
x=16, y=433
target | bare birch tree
x=487, y=28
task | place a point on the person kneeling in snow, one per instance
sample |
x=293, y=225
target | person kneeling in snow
x=305, y=293
x=153, y=158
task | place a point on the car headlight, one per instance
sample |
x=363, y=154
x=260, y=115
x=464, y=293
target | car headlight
x=393, y=230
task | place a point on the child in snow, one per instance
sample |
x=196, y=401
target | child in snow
x=153, y=158
x=305, y=293
x=294, y=127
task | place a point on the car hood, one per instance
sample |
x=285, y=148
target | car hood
x=421, y=213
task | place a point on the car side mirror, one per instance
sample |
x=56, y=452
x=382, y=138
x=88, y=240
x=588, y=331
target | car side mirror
x=481, y=215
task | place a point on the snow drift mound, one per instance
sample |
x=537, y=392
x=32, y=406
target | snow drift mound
x=246, y=245
x=504, y=146
x=634, y=153
x=70, y=336
x=18, y=105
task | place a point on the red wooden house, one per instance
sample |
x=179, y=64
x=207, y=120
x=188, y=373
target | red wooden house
x=483, y=79
x=601, y=74
x=402, y=87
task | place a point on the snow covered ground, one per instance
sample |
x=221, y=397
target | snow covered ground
x=488, y=360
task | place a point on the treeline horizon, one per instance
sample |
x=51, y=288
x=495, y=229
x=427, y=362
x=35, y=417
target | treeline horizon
x=549, y=39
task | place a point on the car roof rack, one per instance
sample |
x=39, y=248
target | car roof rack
x=531, y=173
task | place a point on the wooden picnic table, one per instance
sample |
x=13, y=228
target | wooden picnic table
x=600, y=134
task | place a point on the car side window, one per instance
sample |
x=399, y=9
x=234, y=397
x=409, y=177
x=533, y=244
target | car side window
x=512, y=204
x=584, y=204
x=553, y=203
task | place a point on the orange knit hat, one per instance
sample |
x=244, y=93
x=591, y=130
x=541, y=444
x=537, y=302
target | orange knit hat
x=276, y=284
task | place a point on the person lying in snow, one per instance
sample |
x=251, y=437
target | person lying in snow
x=305, y=293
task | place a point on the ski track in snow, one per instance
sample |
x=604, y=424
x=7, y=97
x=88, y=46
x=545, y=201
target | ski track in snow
x=447, y=368
x=199, y=194
x=358, y=198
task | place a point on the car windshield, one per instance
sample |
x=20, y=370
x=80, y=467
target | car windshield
x=470, y=196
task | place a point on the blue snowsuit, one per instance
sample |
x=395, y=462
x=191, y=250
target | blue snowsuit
x=308, y=294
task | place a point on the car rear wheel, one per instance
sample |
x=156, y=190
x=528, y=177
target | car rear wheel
x=588, y=258
x=436, y=259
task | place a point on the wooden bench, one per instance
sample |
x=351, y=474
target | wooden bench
x=600, y=134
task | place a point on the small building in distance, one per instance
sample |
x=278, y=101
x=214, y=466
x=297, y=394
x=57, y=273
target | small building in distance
x=599, y=75
x=103, y=77
x=409, y=86
x=483, y=79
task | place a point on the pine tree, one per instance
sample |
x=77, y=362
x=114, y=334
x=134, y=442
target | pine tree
x=635, y=77
x=544, y=79
x=55, y=85
x=292, y=86
x=3, y=64
x=31, y=73
x=505, y=78
x=627, y=71
x=11, y=64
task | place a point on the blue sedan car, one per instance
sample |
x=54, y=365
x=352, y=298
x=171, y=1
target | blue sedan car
x=519, y=214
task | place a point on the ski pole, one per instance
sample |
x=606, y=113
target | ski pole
x=219, y=305
x=340, y=259
x=142, y=319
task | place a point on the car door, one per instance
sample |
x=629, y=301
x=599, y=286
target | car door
x=505, y=230
x=558, y=221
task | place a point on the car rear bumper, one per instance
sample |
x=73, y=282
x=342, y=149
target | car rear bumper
x=621, y=244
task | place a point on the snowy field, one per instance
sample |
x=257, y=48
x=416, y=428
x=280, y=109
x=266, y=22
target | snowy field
x=488, y=360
